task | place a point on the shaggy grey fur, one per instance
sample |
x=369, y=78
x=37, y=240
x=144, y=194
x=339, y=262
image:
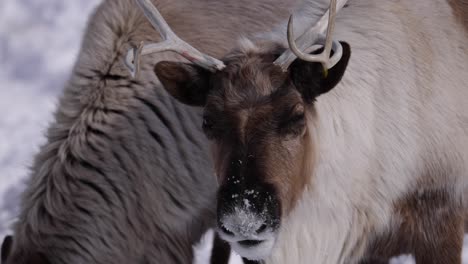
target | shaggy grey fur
x=125, y=175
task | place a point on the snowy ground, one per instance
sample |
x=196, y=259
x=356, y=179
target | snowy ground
x=39, y=41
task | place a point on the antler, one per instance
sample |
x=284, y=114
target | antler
x=171, y=43
x=314, y=35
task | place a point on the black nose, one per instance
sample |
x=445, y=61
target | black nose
x=245, y=228
x=237, y=224
x=246, y=213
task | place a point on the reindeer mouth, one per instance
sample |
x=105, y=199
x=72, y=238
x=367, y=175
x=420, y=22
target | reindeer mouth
x=250, y=243
x=254, y=249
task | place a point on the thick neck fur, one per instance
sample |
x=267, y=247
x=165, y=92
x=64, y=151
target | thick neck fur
x=398, y=119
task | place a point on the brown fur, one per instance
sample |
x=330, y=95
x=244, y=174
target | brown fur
x=460, y=10
x=250, y=78
x=428, y=225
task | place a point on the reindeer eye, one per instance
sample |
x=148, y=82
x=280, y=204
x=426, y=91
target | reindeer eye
x=297, y=118
x=293, y=122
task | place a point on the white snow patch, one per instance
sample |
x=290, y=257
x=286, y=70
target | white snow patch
x=247, y=203
x=243, y=222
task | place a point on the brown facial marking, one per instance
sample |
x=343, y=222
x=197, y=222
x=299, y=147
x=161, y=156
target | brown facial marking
x=460, y=9
x=430, y=226
x=263, y=125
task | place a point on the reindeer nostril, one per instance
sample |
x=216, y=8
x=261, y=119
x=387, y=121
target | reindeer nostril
x=225, y=230
x=261, y=228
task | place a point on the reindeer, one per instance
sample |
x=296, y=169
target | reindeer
x=327, y=157
x=125, y=175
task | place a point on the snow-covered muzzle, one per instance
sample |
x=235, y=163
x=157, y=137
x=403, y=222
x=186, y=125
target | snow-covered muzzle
x=248, y=217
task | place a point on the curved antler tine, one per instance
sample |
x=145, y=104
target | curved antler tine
x=301, y=55
x=323, y=57
x=171, y=43
x=337, y=54
x=331, y=27
x=313, y=36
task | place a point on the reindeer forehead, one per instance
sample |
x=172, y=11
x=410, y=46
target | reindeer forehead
x=252, y=96
x=252, y=70
x=251, y=92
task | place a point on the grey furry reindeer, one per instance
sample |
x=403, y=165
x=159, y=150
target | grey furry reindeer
x=338, y=158
x=125, y=175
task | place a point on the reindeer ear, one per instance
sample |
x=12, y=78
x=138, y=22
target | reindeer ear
x=6, y=248
x=311, y=79
x=186, y=82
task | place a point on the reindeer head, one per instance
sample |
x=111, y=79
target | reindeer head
x=259, y=115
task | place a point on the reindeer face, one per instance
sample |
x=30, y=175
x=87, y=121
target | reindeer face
x=258, y=120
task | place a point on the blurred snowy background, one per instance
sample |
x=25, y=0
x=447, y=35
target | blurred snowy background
x=39, y=42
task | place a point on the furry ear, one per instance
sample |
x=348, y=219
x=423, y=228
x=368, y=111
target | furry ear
x=186, y=82
x=6, y=248
x=310, y=78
